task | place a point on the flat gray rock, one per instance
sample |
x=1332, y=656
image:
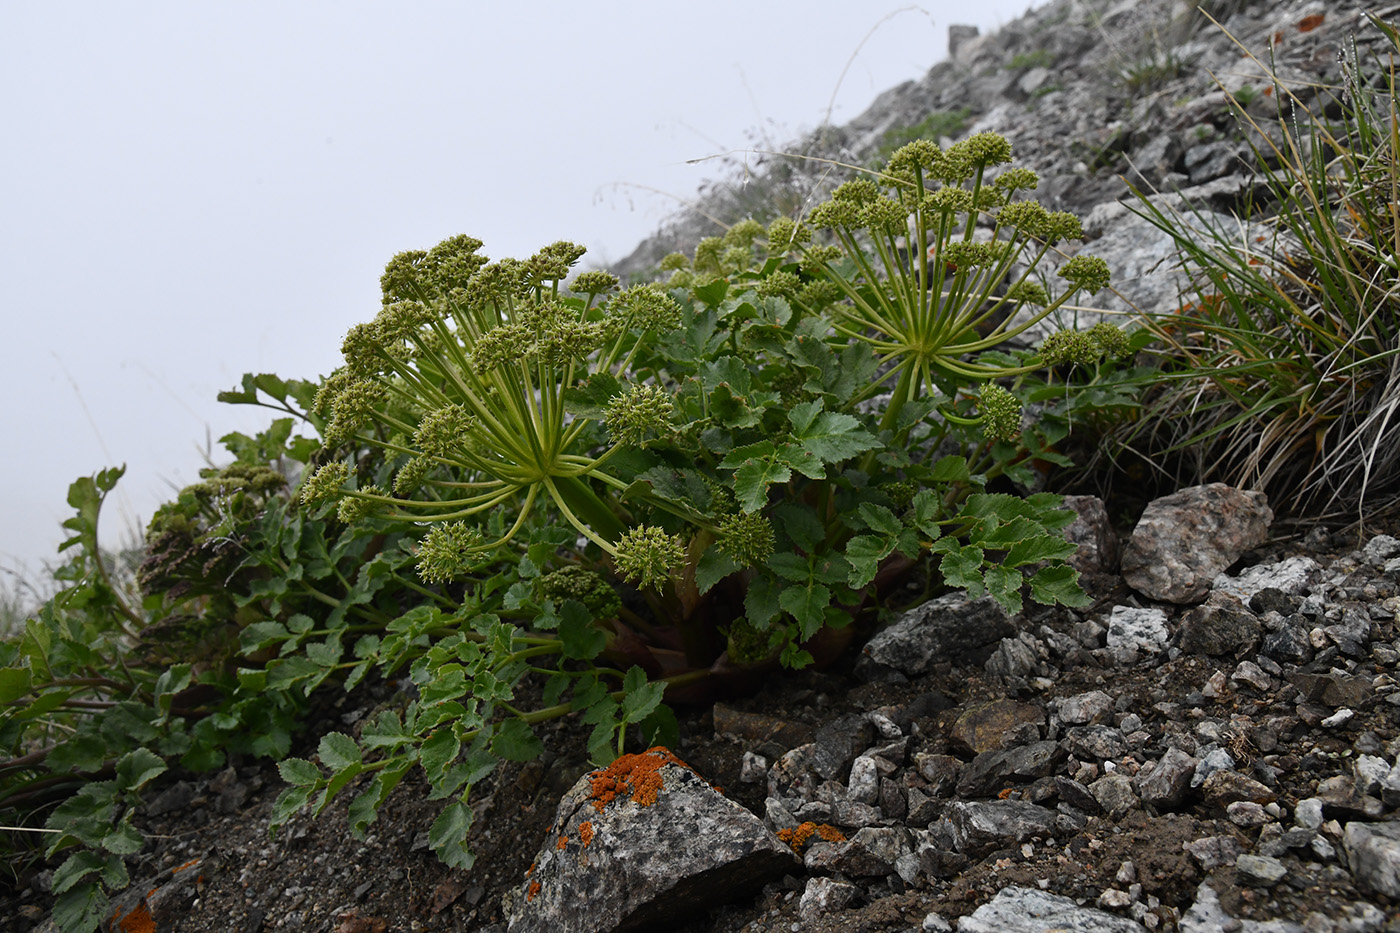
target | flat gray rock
x=1027, y=910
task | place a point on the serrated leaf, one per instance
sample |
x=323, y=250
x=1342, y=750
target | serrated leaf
x=601, y=750
x=763, y=450
x=75, y=868
x=291, y=800
x=82, y=752
x=589, y=399
x=962, y=567
x=801, y=525
x=124, y=839
x=729, y=371
x=951, y=469
x=864, y=553
x=879, y=519
x=831, y=436
x=14, y=683
x=806, y=604
x=1039, y=548
x=790, y=567
x=81, y=909
x=337, y=750
x=448, y=835
x=660, y=728
x=335, y=785
x=1058, y=584
x=761, y=602
x=298, y=771
x=752, y=479
x=712, y=293
x=516, y=741
x=438, y=751
x=802, y=460
x=579, y=638
x=640, y=701
x=1004, y=585
x=137, y=767
x=714, y=565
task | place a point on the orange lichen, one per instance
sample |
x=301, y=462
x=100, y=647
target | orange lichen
x=1006, y=792
x=534, y=889
x=563, y=843
x=585, y=833
x=635, y=776
x=799, y=838
x=138, y=921
x=1309, y=23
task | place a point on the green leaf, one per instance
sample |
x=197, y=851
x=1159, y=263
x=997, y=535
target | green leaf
x=661, y=728
x=335, y=785
x=364, y=809
x=1004, y=585
x=864, y=553
x=729, y=371
x=962, y=567
x=590, y=398
x=951, y=469
x=82, y=752
x=579, y=638
x=124, y=839
x=790, y=567
x=763, y=450
x=761, y=601
x=807, y=604
x=448, y=835
x=438, y=751
x=831, y=436
x=712, y=293
x=299, y=772
x=516, y=741
x=287, y=804
x=880, y=519
x=81, y=909
x=641, y=700
x=752, y=479
x=1058, y=584
x=337, y=750
x=714, y=566
x=802, y=460
x=802, y=526
x=1039, y=548
x=137, y=767
x=75, y=868
x=14, y=683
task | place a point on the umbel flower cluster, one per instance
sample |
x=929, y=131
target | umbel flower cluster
x=928, y=289
x=462, y=380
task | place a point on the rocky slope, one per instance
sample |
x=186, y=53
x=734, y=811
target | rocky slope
x=1210, y=746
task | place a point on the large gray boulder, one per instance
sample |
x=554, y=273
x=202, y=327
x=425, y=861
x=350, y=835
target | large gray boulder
x=1185, y=540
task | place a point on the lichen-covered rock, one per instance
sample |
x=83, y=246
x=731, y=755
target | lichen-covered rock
x=1027, y=910
x=983, y=727
x=1131, y=628
x=640, y=843
x=1185, y=540
x=981, y=826
x=950, y=628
